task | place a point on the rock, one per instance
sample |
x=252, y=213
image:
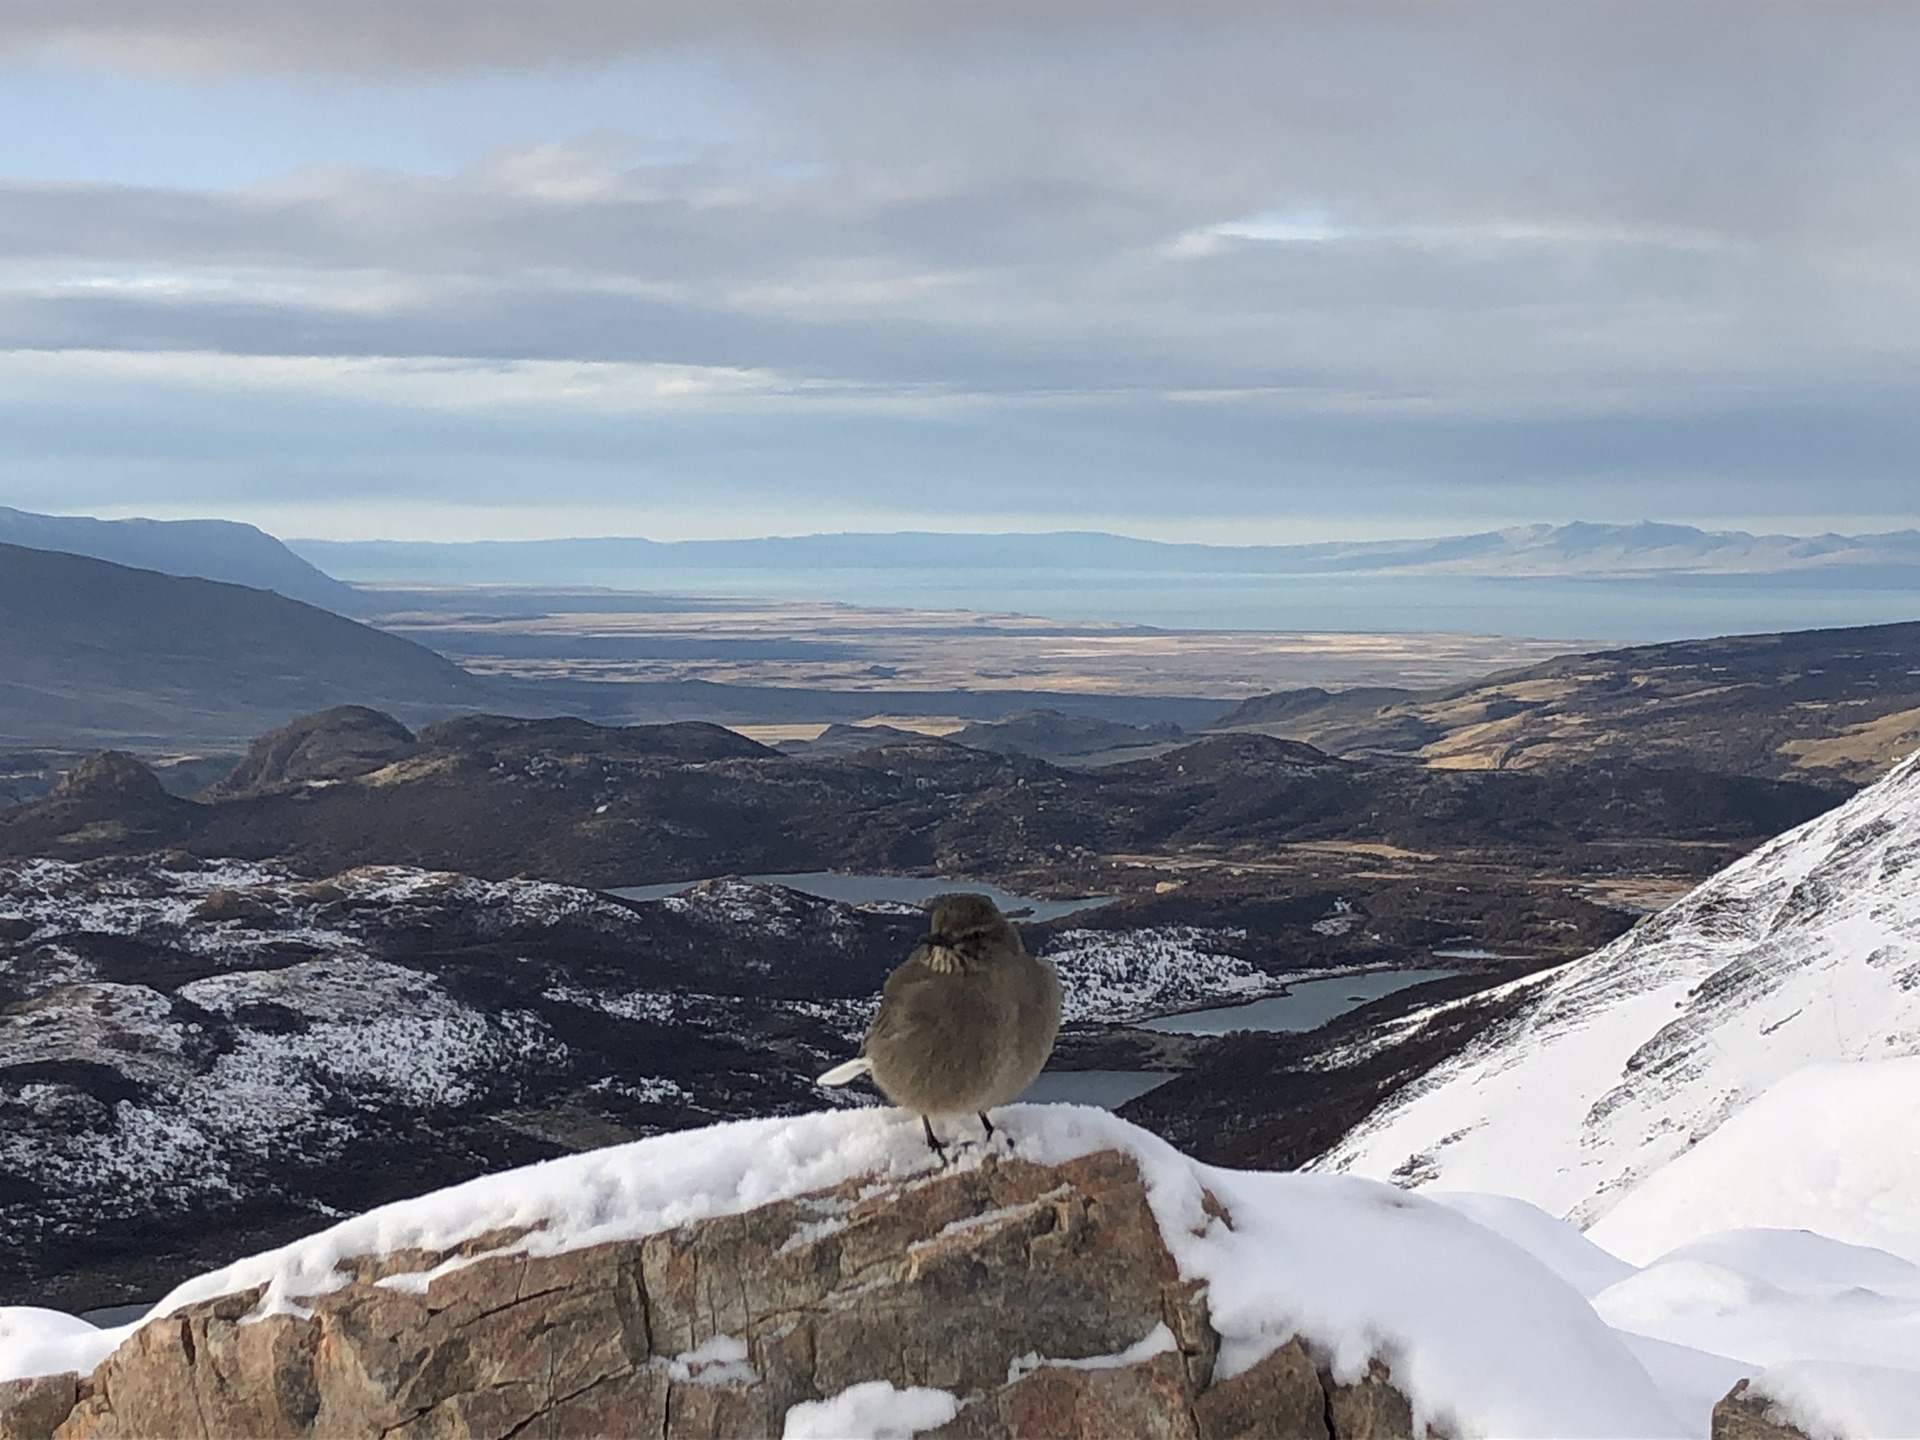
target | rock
x=1281, y=1395
x=228, y=904
x=1369, y=1409
x=31, y=1408
x=111, y=776
x=1042, y=1297
x=1743, y=1413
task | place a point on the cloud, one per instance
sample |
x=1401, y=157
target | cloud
x=1235, y=249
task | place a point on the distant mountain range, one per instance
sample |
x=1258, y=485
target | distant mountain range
x=205, y=549
x=1579, y=549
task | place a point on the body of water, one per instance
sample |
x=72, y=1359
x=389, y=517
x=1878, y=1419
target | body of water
x=1109, y=1089
x=1306, y=1006
x=1575, y=610
x=897, y=889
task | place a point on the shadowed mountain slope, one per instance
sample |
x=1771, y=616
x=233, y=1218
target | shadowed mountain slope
x=94, y=650
x=199, y=549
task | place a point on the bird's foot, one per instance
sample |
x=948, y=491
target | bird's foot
x=934, y=1142
x=991, y=1132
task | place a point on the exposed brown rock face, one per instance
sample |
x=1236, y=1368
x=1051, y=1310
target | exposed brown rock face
x=970, y=1282
x=1745, y=1414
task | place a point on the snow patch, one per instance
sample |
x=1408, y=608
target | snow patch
x=1127, y=975
x=871, y=1411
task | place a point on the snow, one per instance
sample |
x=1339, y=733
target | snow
x=1806, y=952
x=1157, y=1341
x=1496, y=1318
x=1124, y=975
x=873, y=1411
x=1834, y=1401
x=1554, y=1243
x=1831, y=1148
x=1769, y=1296
x=1360, y=1268
x=45, y=1342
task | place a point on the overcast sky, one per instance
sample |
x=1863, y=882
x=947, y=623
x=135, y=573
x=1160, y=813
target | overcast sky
x=1260, y=271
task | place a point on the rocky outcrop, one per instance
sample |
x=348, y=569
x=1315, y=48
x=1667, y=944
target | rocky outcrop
x=1744, y=1413
x=1042, y=1298
x=337, y=744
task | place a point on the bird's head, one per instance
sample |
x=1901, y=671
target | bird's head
x=969, y=927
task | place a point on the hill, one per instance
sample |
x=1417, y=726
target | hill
x=199, y=549
x=1608, y=1069
x=1828, y=704
x=91, y=651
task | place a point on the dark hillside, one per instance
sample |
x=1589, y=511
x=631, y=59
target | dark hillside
x=203, y=549
x=90, y=649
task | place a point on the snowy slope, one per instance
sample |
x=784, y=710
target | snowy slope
x=1805, y=952
x=1832, y=1149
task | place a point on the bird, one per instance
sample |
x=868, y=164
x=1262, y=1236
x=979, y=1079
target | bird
x=965, y=1022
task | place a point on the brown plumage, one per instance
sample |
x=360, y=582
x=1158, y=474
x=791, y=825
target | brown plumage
x=965, y=1023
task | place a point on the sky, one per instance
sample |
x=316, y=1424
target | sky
x=1198, y=269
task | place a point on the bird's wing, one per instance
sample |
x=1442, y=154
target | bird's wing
x=841, y=1074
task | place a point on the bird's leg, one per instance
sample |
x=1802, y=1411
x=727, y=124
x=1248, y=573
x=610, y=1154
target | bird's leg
x=934, y=1142
x=986, y=1125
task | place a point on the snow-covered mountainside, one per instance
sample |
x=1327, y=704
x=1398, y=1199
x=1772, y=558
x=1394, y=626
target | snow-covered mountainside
x=1805, y=952
x=1560, y=1338
x=231, y=1050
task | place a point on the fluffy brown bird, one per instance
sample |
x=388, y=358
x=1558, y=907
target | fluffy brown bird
x=965, y=1023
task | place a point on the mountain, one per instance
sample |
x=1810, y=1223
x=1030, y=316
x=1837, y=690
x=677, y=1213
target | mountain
x=100, y=652
x=1815, y=704
x=1584, y=549
x=1070, y=739
x=202, y=549
x=1609, y=1068
x=587, y=804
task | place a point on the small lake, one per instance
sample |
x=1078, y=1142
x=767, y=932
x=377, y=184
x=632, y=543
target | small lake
x=897, y=889
x=1109, y=1089
x=1306, y=1006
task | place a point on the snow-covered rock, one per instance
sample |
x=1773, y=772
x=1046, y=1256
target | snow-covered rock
x=1489, y=1316
x=1480, y=1337
x=1805, y=952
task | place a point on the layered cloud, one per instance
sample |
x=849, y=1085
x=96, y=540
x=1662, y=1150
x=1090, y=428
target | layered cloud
x=1505, y=261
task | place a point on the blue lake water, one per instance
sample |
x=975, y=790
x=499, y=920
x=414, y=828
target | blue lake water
x=1595, y=611
x=1109, y=1089
x=1306, y=1006
x=897, y=889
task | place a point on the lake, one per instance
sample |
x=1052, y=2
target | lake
x=895, y=889
x=1306, y=1006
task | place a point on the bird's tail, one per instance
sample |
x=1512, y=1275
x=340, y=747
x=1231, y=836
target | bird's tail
x=841, y=1074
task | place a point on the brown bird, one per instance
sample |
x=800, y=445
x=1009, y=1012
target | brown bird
x=965, y=1023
